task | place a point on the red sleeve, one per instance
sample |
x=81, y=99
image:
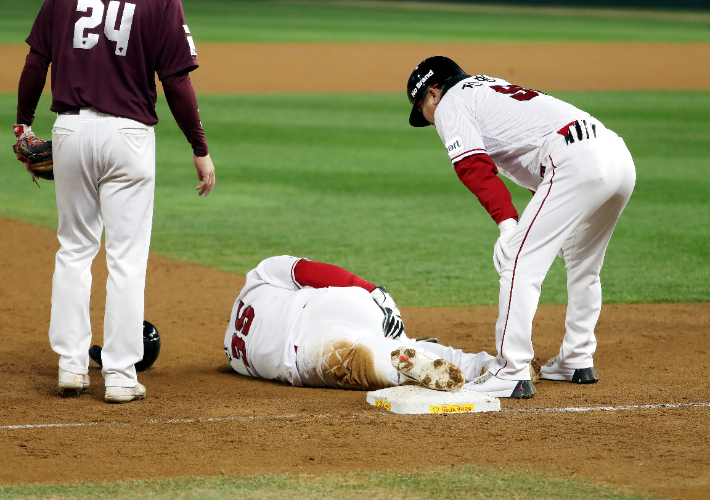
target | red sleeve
x=183, y=104
x=32, y=80
x=319, y=275
x=478, y=173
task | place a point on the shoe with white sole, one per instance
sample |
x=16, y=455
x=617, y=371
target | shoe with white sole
x=486, y=366
x=124, y=394
x=496, y=387
x=553, y=370
x=430, y=371
x=534, y=377
x=72, y=383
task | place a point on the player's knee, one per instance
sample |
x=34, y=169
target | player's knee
x=352, y=365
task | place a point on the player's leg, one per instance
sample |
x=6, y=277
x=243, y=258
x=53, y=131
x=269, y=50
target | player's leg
x=79, y=233
x=573, y=188
x=126, y=191
x=342, y=344
x=335, y=347
x=584, y=253
x=470, y=364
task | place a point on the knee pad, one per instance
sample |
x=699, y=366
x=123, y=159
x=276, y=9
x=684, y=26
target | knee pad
x=351, y=365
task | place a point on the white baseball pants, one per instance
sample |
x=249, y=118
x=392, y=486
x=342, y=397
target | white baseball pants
x=586, y=186
x=104, y=172
x=342, y=344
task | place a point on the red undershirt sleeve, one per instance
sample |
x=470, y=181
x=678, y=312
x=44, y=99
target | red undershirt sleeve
x=183, y=105
x=478, y=173
x=32, y=80
x=319, y=275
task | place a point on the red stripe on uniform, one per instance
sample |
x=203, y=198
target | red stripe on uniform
x=293, y=274
x=512, y=281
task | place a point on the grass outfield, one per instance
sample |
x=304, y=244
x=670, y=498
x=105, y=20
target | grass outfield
x=460, y=482
x=344, y=179
x=289, y=21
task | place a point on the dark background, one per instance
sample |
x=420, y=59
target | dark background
x=655, y=4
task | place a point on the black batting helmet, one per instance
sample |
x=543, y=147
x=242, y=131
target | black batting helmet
x=151, y=348
x=431, y=72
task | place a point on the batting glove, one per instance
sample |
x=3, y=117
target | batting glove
x=392, y=325
x=21, y=131
x=501, y=250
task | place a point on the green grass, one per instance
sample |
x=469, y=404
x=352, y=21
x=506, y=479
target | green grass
x=344, y=179
x=288, y=21
x=459, y=482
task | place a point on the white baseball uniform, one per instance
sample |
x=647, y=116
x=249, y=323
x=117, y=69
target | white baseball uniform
x=105, y=177
x=104, y=57
x=318, y=337
x=582, y=174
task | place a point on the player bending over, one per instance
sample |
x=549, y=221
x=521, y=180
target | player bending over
x=582, y=176
x=317, y=325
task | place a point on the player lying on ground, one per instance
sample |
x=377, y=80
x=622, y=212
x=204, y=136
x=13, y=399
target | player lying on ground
x=582, y=175
x=317, y=325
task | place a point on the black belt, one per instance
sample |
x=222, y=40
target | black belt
x=74, y=111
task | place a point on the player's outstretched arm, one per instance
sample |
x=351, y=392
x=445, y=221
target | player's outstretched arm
x=205, y=173
x=183, y=105
x=321, y=275
x=478, y=173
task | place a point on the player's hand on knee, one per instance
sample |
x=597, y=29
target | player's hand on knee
x=501, y=250
x=205, y=173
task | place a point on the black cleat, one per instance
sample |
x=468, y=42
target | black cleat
x=524, y=390
x=585, y=376
x=553, y=371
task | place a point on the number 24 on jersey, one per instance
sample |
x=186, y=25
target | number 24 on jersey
x=121, y=35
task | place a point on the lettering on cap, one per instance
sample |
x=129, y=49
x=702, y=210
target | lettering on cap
x=422, y=81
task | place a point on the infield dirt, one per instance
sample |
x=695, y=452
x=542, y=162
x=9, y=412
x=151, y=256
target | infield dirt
x=378, y=67
x=647, y=355
x=201, y=418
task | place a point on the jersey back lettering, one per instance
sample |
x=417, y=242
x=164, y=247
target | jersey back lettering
x=259, y=341
x=482, y=114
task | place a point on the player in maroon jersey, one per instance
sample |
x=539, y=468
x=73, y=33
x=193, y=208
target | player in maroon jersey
x=104, y=57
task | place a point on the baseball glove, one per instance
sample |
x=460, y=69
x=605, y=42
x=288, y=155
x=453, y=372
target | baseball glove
x=36, y=154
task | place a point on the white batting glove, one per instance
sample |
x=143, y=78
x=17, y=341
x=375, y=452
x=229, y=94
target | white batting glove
x=501, y=250
x=392, y=325
x=22, y=131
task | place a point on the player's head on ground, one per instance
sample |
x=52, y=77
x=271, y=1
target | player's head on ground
x=425, y=85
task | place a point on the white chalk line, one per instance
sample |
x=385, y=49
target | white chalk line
x=608, y=408
x=301, y=416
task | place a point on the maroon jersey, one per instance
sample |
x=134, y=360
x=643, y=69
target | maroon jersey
x=105, y=53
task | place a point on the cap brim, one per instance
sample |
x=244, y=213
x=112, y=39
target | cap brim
x=416, y=118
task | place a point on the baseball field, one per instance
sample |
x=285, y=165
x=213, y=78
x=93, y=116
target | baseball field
x=304, y=110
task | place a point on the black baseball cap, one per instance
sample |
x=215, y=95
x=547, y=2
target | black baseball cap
x=431, y=72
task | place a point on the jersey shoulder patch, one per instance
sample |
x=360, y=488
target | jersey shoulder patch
x=454, y=146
